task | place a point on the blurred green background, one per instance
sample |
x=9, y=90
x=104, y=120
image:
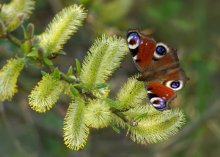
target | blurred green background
x=192, y=26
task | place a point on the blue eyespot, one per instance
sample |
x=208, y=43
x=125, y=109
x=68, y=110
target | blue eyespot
x=175, y=84
x=161, y=50
x=133, y=40
x=159, y=103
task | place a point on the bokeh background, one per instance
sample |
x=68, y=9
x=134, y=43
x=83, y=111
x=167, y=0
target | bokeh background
x=192, y=26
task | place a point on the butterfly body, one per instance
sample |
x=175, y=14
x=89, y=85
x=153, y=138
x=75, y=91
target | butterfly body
x=159, y=67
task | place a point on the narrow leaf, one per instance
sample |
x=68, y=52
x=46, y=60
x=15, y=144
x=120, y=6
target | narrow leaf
x=30, y=31
x=70, y=71
x=78, y=67
x=48, y=62
x=56, y=73
x=101, y=85
x=32, y=54
x=2, y=29
x=74, y=91
x=117, y=130
x=75, y=130
x=111, y=102
x=43, y=73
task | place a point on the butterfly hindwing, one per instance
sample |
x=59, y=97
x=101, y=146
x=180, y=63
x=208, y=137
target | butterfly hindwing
x=159, y=95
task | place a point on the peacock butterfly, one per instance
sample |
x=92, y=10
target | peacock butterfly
x=159, y=67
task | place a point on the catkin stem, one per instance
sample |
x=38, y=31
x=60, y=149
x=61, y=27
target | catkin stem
x=13, y=39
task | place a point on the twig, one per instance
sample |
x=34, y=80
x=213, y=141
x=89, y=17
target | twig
x=13, y=39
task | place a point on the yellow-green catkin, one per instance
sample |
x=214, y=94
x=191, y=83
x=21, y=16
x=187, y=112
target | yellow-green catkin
x=46, y=93
x=75, y=130
x=8, y=78
x=98, y=114
x=62, y=27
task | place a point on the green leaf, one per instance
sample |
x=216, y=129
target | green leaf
x=155, y=126
x=48, y=62
x=26, y=48
x=62, y=27
x=43, y=73
x=70, y=71
x=56, y=73
x=32, y=54
x=103, y=58
x=30, y=31
x=98, y=114
x=141, y=116
x=3, y=30
x=131, y=94
x=101, y=85
x=74, y=91
x=78, y=67
x=61, y=52
x=111, y=102
x=116, y=129
x=75, y=130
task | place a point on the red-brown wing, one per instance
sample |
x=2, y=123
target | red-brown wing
x=142, y=49
x=164, y=69
x=164, y=80
x=160, y=95
x=160, y=68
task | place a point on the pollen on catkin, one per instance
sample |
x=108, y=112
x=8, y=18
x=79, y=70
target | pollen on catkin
x=8, y=78
x=11, y=10
x=98, y=114
x=45, y=94
x=62, y=27
x=102, y=59
x=75, y=130
x=154, y=126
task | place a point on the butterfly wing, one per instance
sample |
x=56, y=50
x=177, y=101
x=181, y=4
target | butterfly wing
x=141, y=48
x=160, y=68
x=159, y=95
x=164, y=68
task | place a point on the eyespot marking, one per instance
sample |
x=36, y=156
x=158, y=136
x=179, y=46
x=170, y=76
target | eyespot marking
x=159, y=103
x=175, y=84
x=160, y=51
x=133, y=40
